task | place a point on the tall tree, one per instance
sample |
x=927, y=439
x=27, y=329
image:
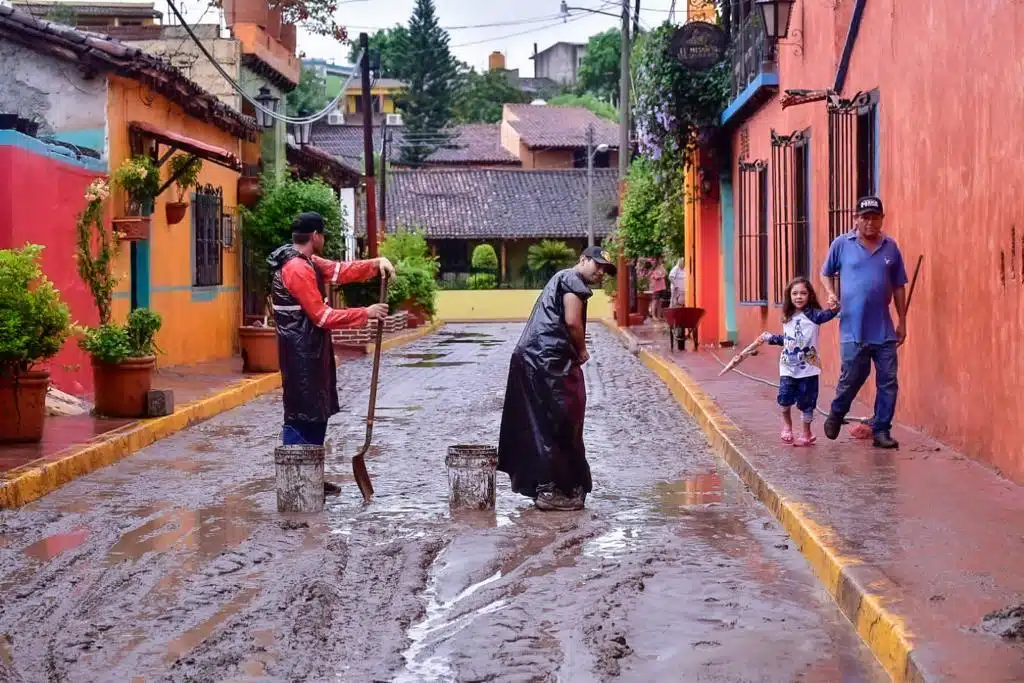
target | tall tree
x=388, y=44
x=427, y=105
x=599, y=68
x=310, y=94
x=481, y=97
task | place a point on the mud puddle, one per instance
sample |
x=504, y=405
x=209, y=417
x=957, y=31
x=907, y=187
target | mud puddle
x=52, y=546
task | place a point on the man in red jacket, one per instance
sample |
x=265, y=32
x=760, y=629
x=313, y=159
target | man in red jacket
x=304, y=319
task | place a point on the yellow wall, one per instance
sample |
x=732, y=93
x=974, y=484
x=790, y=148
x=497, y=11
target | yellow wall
x=504, y=304
x=387, y=106
x=198, y=323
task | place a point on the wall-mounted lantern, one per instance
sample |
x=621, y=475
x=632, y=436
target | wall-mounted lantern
x=775, y=16
x=227, y=230
x=268, y=101
x=303, y=132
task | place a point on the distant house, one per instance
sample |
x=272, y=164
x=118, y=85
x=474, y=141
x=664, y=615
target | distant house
x=533, y=88
x=510, y=209
x=93, y=14
x=560, y=62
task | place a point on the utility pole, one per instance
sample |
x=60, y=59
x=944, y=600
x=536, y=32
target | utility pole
x=622, y=298
x=369, y=182
x=382, y=214
x=636, y=19
x=590, y=186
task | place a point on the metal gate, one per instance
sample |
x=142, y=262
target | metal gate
x=753, y=232
x=207, y=209
x=852, y=158
x=790, y=210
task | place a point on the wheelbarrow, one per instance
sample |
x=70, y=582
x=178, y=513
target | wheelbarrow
x=682, y=325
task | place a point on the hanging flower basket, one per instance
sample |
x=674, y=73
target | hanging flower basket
x=175, y=212
x=248, y=190
x=132, y=228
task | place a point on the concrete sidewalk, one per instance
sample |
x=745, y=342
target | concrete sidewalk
x=916, y=546
x=74, y=446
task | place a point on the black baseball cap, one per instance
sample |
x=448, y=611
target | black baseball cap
x=868, y=205
x=308, y=222
x=602, y=258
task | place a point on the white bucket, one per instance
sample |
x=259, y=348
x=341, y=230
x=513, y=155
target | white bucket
x=300, y=478
x=471, y=475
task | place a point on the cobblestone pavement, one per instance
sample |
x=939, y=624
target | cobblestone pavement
x=174, y=564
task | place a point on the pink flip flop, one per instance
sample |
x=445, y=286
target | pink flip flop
x=786, y=436
x=803, y=442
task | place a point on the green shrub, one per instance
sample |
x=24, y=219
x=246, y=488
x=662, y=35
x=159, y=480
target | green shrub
x=34, y=322
x=548, y=257
x=112, y=343
x=189, y=166
x=411, y=247
x=415, y=284
x=483, y=281
x=484, y=259
x=268, y=225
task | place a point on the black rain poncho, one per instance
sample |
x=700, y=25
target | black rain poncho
x=308, y=375
x=541, y=438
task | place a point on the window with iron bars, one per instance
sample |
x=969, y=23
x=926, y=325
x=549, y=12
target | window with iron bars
x=791, y=237
x=752, y=218
x=207, y=208
x=852, y=158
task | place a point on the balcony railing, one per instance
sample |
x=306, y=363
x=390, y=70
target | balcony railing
x=752, y=54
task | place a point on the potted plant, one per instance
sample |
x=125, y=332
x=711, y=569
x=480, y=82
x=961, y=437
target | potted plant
x=34, y=323
x=249, y=190
x=123, y=357
x=267, y=226
x=139, y=178
x=123, y=360
x=414, y=289
x=184, y=168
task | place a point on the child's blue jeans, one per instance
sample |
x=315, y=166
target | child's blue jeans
x=801, y=392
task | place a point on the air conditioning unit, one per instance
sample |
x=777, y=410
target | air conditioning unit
x=394, y=119
x=335, y=118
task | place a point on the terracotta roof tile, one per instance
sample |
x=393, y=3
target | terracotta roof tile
x=541, y=125
x=482, y=203
x=476, y=143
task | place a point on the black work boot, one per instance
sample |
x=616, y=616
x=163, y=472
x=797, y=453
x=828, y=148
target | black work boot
x=885, y=440
x=833, y=423
x=331, y=489
x=551, y=499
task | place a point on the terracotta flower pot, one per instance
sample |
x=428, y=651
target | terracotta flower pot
x=23, y=406
x=643, y=303
x=121, y=388
x=417, y=316
x=175, y=212
x=134, y=228
x=248, y=190
x=259, y=349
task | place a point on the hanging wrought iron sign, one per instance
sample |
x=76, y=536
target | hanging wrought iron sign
x=699, y=45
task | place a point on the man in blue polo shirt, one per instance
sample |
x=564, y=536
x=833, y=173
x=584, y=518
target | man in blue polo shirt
x=870, y=267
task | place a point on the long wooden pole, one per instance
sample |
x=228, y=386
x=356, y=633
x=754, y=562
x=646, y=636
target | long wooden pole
x=369, y=180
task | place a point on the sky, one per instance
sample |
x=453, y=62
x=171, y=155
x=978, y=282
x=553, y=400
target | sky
x=522, y=23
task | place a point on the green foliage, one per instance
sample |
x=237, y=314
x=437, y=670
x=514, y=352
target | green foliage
x=482, y=281
x=190, y=168
x=140, y=179
x=548, y=257
x=600, y=67
x=96, y=249
x=675, y=107
x=309, y=95
x=268, y=225
x=651, y=223
x=112, y=343
x=427, y=106
x=613, y=245
x=586, y=101
x=409, y=246
x=390, y=45
x=484, y=259
x=34, y=322
x=414, y=278
x=480, y=97
x=413, y=283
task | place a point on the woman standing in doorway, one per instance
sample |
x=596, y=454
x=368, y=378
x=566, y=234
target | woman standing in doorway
x=677, y=282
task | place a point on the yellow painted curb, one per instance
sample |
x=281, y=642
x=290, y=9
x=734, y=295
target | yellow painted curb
x=884, y=632
x=36, y=479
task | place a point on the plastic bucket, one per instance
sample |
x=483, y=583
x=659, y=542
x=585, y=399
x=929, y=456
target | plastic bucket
x=300, y=478
x=471, y=476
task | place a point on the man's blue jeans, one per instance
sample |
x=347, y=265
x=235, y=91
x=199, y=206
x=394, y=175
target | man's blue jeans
x=304, y=433
x=857, y=360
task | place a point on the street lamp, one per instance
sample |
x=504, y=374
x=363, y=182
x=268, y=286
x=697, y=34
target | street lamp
x=775, y=16
x=267, y=100
x=303, y=132
x=591, y=151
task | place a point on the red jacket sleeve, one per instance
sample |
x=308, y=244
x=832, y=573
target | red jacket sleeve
x=300, y=280
x=345, y=272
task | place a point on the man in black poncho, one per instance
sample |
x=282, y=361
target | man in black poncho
x=541, y=444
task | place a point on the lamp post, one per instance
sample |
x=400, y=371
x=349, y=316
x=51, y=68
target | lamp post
x=775, y=16
x=591, y=151
x=268, y=101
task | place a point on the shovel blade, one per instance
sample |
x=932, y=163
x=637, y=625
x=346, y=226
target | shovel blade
x=362, y=477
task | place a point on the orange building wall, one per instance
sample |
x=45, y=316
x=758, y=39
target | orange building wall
x=198, y=323
x=951, y=178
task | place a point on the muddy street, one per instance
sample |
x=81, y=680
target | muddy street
x=174, y=564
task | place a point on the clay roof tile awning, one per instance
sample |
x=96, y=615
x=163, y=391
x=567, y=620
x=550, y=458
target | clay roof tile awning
x=203, y=150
